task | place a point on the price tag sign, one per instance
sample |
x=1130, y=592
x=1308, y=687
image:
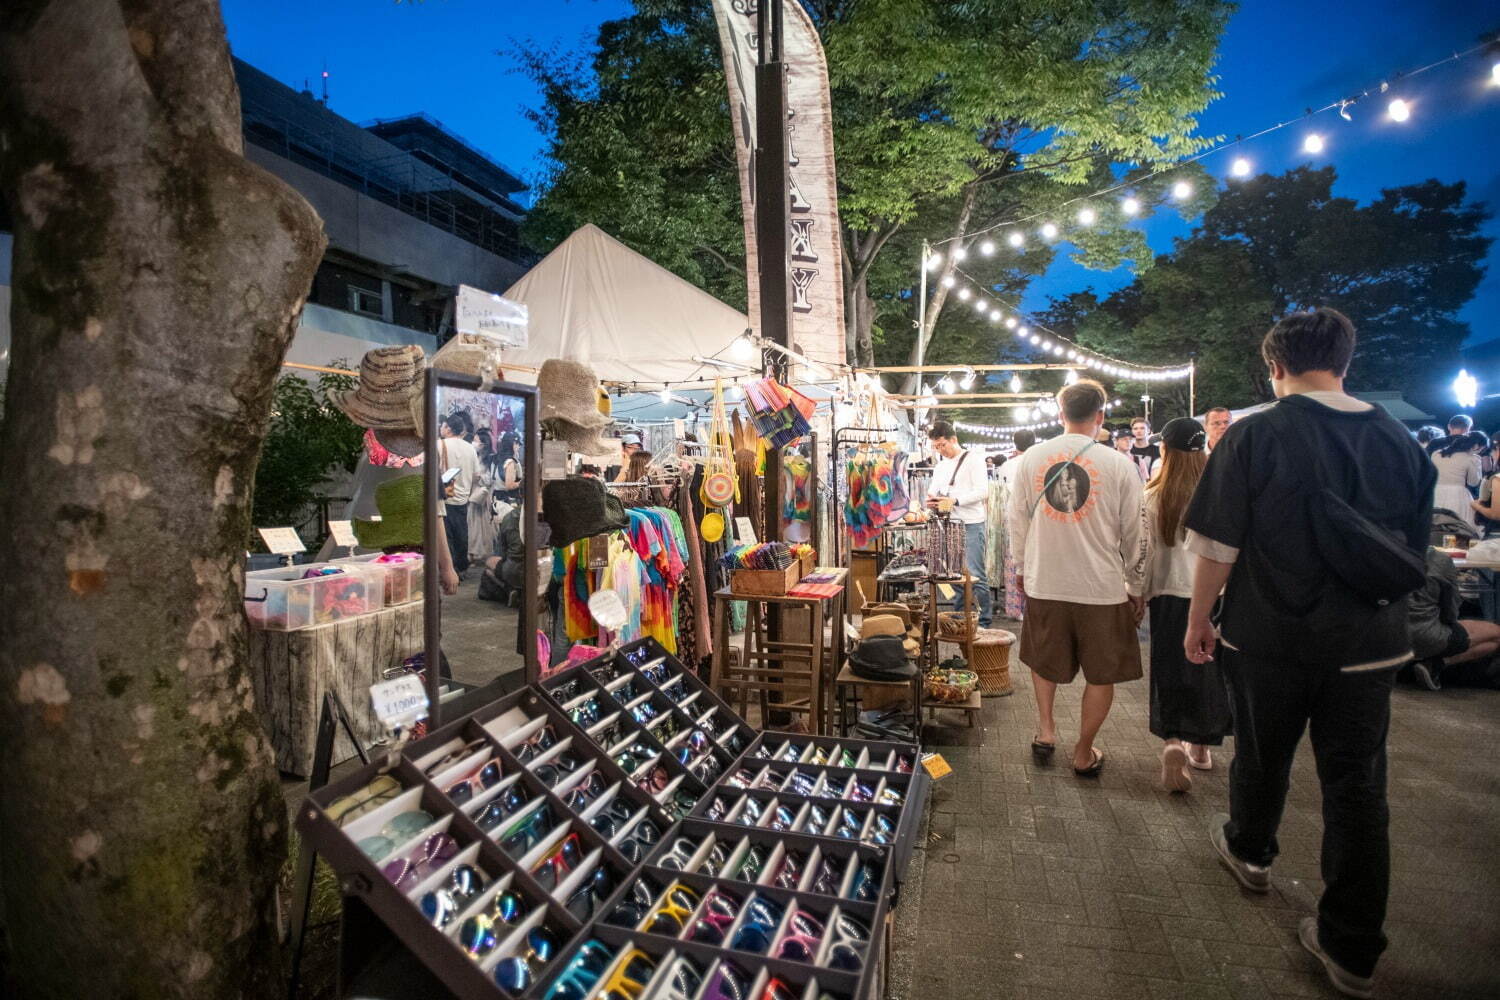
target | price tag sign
x=936, y=766
x=744, y=531
x=400, y=701
x=945, y=591
x=282, y=541
x=554, y=460
x=343, y=533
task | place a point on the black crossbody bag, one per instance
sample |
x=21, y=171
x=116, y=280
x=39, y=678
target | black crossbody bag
x=1372, y=561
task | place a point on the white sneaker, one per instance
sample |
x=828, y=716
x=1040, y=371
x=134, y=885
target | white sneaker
x=1174, y=772
x=1204, y=763
x=1253, y=877
x=1342, y=979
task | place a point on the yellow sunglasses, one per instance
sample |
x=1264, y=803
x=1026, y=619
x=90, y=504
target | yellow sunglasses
x=374, y=795
x=670, y=915
x=630, y=977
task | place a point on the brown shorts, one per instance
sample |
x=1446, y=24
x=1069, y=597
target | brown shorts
x=1059, y=637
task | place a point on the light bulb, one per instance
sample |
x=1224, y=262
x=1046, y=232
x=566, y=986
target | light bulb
x=1495, y=75
x=968, y=379
x=1035, y=339
x=1130, y=206
x=963, y=294
x=1049, y=231
x=1036, y=413
x=743, y=349
x=945, y=384
x=979, y=304
x=959, y=253
x=1181, y=190
x=1010, y=322
x=1115, y=403
x=732, y=393
x=987, y=248
x=1022, y=332
x=1072, y=355
x=1019, y=412
x=995, y=316
x=949, y=281
x=1241, y=167
x=1399, y=110
x=1016, y=239
x=1046, y=344
x=934, y=261
x=1057, y=349
x=1086, y=216
x=666, y=395
x=1070, y=377
x=1313, y=143
x=1015, y=383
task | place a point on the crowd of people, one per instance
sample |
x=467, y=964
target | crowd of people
x=1283, y=559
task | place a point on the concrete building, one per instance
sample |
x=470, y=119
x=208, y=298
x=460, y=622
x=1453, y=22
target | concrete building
x=411, y=210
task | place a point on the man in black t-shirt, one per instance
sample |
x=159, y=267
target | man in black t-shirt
x=1300, y=647
x=1143, y=453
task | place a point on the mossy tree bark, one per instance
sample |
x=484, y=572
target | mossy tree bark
x=158, y=277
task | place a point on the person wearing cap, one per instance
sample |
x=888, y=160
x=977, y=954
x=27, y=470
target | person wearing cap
x=1077, y=529
x=630, y=443
x=1189, y=702
x=1123, y=441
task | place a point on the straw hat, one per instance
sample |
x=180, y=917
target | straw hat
x=389, y=394
x=873, y=625
x=468, y=354
x=569, y=392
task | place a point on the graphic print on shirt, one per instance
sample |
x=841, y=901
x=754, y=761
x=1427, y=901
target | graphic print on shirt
x=1071, y=494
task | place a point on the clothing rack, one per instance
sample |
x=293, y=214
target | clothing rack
x=846, y=436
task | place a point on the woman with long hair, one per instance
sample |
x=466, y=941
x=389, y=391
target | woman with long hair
x=1458, y=473
x=1189, y=702
x=481, y=525
x=507, y=465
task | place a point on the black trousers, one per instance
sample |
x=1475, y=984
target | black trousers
x=1347, y=715
x=456, y=526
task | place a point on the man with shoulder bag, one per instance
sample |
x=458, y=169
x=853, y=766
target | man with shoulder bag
x=1315, y=515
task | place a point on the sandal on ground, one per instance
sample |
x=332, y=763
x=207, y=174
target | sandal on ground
x=1041, y=748
x=1206, y=764
x=1092, y=771
x=1174, y=774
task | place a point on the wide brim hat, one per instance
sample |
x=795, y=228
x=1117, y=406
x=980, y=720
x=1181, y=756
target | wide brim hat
x=389, y=394
x=580, y=508
x=881, y=658
x=468, y=354
x=569, y=396
x=881, y=625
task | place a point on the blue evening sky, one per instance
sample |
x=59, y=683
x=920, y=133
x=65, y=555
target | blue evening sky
x=1278, y=57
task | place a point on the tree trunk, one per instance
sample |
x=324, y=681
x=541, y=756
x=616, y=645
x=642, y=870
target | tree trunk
x=158, y=277
x=864, y=323
x=938, y=291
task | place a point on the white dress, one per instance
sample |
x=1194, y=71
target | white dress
x=1456, y=474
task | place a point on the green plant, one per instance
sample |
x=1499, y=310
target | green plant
x=309, y=438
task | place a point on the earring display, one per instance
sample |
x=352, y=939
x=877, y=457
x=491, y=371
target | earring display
x=618, y=830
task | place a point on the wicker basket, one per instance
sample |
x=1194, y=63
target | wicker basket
x=951, y=686
x=992, y=661
x=957, y=626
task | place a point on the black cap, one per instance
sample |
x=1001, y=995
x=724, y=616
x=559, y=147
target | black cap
x=1184, y=434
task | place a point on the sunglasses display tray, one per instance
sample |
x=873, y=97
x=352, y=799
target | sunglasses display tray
x=827, y=751
x=792, y=936
x=651, y=968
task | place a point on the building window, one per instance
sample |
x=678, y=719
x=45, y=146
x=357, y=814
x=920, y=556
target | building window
x=366, y=303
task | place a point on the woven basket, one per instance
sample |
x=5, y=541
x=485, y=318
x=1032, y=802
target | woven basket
x=992, y=661
x=951, y=686
x=956, y=626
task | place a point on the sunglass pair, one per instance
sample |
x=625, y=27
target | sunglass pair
x=440, y=906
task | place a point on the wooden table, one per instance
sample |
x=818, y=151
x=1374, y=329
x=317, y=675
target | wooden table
x=290, y=671
x=799, y=672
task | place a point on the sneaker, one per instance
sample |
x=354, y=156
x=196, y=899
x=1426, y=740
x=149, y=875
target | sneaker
x=1426, y=677
x=1174, y=773
x=1252, y=877
x=1342, y=979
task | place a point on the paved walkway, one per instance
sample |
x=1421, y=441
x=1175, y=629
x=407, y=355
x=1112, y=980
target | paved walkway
x=1036, y=884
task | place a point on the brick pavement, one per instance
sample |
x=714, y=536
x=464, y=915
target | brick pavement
x=1036, y=884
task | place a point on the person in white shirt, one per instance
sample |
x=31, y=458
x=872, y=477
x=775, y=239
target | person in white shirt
x=457, y=454
x=1459, y=472
x=1077, y=529
x=961, y=486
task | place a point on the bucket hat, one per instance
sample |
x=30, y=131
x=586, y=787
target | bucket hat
x=389, y=394
x=881, y=658
x=569, y=393
x=874, y=625
x=468, y=354
x=580, y=508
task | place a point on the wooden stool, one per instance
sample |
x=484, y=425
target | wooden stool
x=992, y=661
x=848, y=679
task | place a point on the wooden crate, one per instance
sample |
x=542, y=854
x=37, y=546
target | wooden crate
x=764, y=582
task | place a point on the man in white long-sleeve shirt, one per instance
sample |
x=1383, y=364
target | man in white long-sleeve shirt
x=960, y=477
x=1077, y=531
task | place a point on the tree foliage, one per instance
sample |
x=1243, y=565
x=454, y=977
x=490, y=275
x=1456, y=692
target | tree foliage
x=308, y=439
x=1400, y=266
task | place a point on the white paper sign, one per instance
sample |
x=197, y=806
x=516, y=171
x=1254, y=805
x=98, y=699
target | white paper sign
x=282, y=541
x=554, y=460
x=343, y=533
x=491, y=316
x=400, y=701
x=744, y=531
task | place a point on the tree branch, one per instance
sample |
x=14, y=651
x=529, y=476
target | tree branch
x=704, y=248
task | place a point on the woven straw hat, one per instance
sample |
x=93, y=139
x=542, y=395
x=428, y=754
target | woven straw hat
x=389, y=394
x=569, y=392
x=467, y=354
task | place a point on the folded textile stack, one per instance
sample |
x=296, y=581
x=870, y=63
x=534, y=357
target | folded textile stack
x=766, y=555
x=780, y=413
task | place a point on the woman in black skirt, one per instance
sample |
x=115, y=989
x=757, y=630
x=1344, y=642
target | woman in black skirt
x=1189, y=702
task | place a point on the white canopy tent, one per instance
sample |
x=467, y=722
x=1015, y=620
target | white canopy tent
x=595, y=300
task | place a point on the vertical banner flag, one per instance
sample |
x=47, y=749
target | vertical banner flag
x=815, y=266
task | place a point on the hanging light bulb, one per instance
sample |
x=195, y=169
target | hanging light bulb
x=1019, y=411
x=743, y=349
x=1399, y=110
x=1241, y=167
x=1046, y=344
x=1495, y=74
x=1022, y=331
x=949, y=281
x=934, y=261
x=1070, y=377
x=1130, y=206
x=1313, y=143
x=1182, y=190
x=994, y=315
x=1010, y=322
x=1072, y=355
x=1086, y=216
x=733, y=392
x=1057, y=349
x=968, y=380
x=987, y=248
x=979, y=304
x=1016, y=239
x=1049, y=231
x=963, y=294
x=1035, y=340
x=1036, y=413
x=945, y=384
x=666, y=395
x=1015, y=383
x=959, y=253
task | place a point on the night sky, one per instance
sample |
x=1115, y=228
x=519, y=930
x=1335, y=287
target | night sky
x=1278, y=58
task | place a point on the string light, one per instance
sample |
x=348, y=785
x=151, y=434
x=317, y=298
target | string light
x=959, y=253
x=934, y=261
x=963, y=294
x=1010, y=322
x=1015, y=383
x=1049, y=230
x=1241, y=167
x=945, y=384
x=1399, y=110
x=1130, y=206
x=949, y=281
x=987, y=248
x=1086, y=216
x=1016, y=239
x=968, y=380
x=1181, y=190
x=1313, y=143
x=1070, y=377
x=995, y=316
x=666, y=395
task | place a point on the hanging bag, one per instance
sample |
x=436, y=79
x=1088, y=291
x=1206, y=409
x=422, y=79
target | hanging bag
x=720, y=484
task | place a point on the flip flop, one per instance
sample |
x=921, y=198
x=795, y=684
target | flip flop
x=1092, y=771
x=1042, y=748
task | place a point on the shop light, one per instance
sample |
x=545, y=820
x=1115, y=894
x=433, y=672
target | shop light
x=666, y=395
x=963, y=294
x=1070, y=377
x=1035, y=339
x=1182, y=190
x=1019, y=411
x=743, y=349
x=968, y=379
x=1241, y=167
x=994, y=315
x=1022, y=332
x=1313, y=143
x=1015, y=383
x=1016, y=239
x=934, y=261
x=987, y=248
x=1010, y=322
x=945, y=384
x=949, y=281
x=1466, y=389
x=959, y=253
x=1086, y=216
x=1049, y=231
x=1495, y=74
x=1036, y=413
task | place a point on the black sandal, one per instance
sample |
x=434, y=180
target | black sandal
x=1042, y=749
x=1092, y=771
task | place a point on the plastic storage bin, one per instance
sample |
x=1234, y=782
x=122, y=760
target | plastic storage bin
x=286, y=599
x=403, y=580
